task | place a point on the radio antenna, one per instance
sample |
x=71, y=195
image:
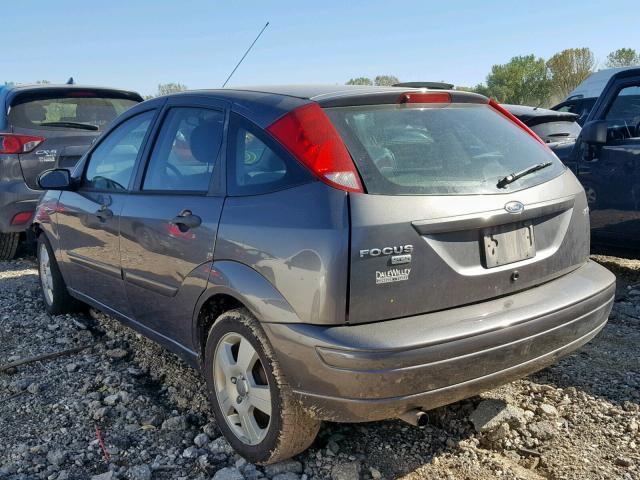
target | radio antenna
x=245, y=54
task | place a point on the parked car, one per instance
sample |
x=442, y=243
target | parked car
x=327, y=253
x=577, y=105
x=549, y=125
x=582, y=99
x=606, y=159
x=558, y=130
x=42, y=127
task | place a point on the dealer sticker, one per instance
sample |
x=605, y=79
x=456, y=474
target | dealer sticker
x=392, y=275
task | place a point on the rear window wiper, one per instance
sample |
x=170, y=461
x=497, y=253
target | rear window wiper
x=512, y=177
x=82, y=126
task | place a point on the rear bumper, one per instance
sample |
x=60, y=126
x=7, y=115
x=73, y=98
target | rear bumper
x=16, y=197
x=380, y=370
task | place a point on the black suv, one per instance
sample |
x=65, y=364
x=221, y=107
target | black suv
x=42, y=127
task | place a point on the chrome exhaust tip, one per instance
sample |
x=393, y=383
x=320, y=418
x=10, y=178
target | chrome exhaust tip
x=415, y=417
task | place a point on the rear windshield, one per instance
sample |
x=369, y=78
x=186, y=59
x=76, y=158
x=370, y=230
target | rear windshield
x=91, y=111
x=439, y=149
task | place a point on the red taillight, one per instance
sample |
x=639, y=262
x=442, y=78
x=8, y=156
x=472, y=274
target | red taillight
x=21, y=218
x=16, y=144
x=425, y=97
x=510, y=116
x=310, y=136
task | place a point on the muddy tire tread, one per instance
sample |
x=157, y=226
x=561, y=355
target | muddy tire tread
x=9, y=245
x=298, y=429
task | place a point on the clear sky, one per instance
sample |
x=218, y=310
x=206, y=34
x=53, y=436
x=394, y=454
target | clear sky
x=138, y=44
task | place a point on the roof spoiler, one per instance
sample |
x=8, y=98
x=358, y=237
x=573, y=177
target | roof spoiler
x=361, y=98
x=430, y=85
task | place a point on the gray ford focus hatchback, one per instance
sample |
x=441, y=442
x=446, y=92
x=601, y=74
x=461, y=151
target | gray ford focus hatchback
x=327, y=253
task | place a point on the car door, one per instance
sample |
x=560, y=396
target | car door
x=168, y=229
x=611, y=172
x=89, y=217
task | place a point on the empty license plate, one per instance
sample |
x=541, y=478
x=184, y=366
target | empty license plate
x=508, y=243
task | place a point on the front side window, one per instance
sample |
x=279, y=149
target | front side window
x=623, y=117
x=111, y=162
x=445, y=149
x=186, y=150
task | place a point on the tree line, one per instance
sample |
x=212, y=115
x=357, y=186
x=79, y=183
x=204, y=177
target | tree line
x=531, y=80
x=523, y=80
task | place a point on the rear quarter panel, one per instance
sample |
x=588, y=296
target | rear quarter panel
x=298, y=240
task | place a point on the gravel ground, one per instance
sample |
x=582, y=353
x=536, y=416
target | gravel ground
x=124, y=408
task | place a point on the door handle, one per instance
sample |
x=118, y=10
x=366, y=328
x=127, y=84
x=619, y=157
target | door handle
x=104, y=213
x=186, y=220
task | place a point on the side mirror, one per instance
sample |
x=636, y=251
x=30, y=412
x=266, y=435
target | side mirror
x=595, y=133
x=56, y=179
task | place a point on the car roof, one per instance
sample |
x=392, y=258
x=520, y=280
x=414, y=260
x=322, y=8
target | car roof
x=310, y=91
x=263, y=104
x=535, y=115
x=326, y=95
x=49, y=86
x=10, y=92
x=593, y=85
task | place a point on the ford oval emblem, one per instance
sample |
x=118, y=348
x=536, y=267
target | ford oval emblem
x=514, y=207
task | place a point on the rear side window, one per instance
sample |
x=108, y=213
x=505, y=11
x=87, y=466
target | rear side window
x=111, y=162
x=185, y=153
x=83, y=110
x=257, y=164
x=439, y=149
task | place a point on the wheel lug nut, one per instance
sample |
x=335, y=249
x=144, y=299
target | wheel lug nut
x=239, y=399
x=234, y=380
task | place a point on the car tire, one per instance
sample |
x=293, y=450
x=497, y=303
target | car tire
x=237, y=349
x=56, y=297
x=9, y=245
x=592, y=196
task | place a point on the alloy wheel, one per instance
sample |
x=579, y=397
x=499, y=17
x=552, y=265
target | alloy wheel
x=591, y=196
x=242, y=388
x=46, y=278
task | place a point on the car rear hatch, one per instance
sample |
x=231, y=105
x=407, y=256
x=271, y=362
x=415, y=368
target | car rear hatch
x=438, y=223
x=53, y=127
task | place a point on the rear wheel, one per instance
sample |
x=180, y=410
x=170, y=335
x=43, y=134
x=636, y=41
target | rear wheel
x=254, y=406
x=9, y=245
x=54, y=290
x=592, y=196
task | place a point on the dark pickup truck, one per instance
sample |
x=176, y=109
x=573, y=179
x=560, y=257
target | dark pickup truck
x=606, y=159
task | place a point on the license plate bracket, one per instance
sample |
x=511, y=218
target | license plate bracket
x=505, y=244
